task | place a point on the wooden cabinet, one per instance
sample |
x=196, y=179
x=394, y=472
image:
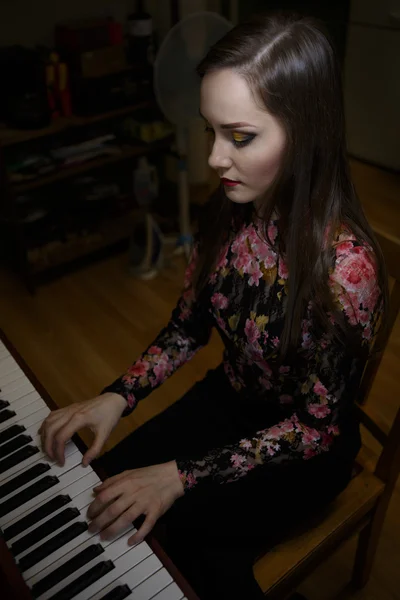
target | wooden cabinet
x=50, y=215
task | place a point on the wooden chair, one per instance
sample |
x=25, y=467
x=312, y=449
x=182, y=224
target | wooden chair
x=362, y=506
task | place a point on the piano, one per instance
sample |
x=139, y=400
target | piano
x=46, y=551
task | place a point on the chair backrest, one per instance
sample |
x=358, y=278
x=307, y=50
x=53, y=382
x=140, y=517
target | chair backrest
x=388, y=466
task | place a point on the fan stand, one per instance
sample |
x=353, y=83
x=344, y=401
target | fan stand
x=185, y=238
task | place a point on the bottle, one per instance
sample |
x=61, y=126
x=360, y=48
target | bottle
x=145, y=182
x=140, y=34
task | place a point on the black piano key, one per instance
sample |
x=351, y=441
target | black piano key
x=38, y=534
x=24, y=478
x=10, y=432
x=72, y=565
x=118, y=593
x=6, y=414
x=35, y=516
x=14, y=444
x=18, y=457
x=4, y=404
x=84, y=581
x=56, y=542
x=31, y=492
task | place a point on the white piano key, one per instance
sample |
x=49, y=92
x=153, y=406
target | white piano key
x=172, y=592
x=145, y=567
x=69, y=449
x=73, y=490
x=32, y=431
x=81, y=502
x=36, y=418
x=65, y=480
x=8, y=365
x=146, y=576
x=4, y=351
x=16, y=389
x=35, y=441
x=150, y=586
x=145, y=590
x=70, y=462
x=22, y=415
x=78, y=519
x=26, y=410
x=23, y=401
x=64, y=554
x=112, y=552
x=40, y=456
x=22, y=466
x=12, y=376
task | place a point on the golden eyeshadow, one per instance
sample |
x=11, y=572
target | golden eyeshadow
x=239, y=137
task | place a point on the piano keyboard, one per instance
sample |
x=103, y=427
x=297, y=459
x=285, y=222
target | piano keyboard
x=43, y=513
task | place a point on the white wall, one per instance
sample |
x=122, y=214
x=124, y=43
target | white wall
x=372, y=82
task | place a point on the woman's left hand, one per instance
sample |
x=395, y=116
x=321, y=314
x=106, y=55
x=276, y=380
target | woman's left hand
x=121, y=499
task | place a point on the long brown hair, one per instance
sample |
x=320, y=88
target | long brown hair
x=290, y=64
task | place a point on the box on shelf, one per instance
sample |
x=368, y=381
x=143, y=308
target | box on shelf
x=82, y=35
x=94, y=95
x=99, y=62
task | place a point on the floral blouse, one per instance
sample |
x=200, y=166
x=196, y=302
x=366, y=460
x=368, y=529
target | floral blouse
x=245, y=300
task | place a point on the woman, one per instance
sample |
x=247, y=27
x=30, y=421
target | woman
x=287, y=269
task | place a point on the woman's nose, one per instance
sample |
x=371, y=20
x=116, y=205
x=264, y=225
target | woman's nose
x=219, y=157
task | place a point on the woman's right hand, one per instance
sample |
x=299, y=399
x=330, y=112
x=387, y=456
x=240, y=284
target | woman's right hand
x=101, y=414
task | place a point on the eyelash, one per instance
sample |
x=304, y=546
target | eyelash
x=237, y=144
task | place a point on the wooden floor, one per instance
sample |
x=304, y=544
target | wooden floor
x=80, y=332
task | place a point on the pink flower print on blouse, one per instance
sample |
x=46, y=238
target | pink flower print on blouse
x=282, y=269
x=252, y=254
x=255, y=274
x=237, y=460
x=272, y=232
x=154, y=350
x=353, y=282
x=242, y=301
x=252, y=332
x=131, y=400
x=320, y=411
x=185, y=313
x=264, y=253
x=219, y=301
x=139, y=368
x=310, y=436
x=320, y=389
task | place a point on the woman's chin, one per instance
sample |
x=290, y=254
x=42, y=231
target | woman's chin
x=237, y=195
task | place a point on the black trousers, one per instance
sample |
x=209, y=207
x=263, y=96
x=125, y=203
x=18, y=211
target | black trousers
x=215, y=531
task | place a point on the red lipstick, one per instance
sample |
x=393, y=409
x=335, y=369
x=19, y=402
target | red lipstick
x=229, y=182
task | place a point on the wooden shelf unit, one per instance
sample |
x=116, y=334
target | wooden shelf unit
x=123, y=153
x=68, y=251
x=9, y=137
